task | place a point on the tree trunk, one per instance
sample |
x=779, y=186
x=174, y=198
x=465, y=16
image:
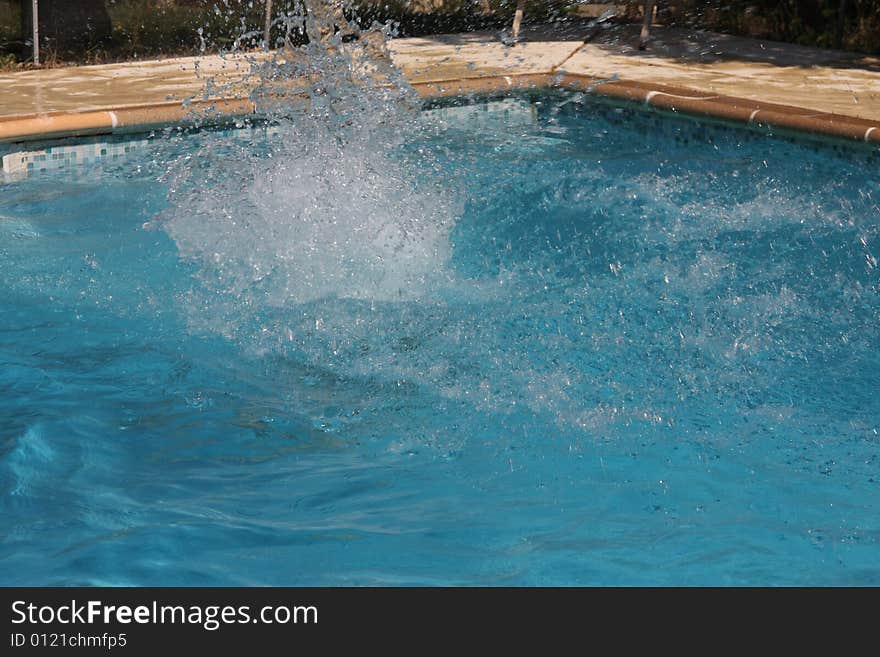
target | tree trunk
x=646, y=24
x=68, y=24
x=517, y=19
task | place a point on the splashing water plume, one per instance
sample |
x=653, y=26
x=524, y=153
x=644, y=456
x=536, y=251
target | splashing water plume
x=325, y=201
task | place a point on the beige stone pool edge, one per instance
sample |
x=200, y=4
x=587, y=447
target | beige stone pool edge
x=680, y=99
x=133, y=119
x=434, y=72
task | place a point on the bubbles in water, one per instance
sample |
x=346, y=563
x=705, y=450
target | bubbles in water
x=318, y=218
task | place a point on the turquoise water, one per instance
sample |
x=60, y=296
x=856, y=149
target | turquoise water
x=607, y=349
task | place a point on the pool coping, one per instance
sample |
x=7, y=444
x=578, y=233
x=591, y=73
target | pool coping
x=142, y=118
x=119, y=120
x=674, y=98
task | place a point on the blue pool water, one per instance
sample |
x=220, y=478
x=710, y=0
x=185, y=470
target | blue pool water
x=586, y=345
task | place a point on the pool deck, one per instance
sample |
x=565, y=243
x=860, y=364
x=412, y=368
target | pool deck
x=744, y=80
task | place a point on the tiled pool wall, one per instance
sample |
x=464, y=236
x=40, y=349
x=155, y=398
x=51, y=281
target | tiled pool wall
x=682, y=127
x=21, y=161
x=65, y=155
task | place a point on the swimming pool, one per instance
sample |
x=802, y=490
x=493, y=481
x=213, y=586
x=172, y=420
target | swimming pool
x=584, y=344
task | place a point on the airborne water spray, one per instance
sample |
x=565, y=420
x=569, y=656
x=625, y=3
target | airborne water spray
x=323, y=198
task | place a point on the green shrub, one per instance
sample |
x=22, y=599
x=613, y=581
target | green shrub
x=10, y=21
x=420, y=17
x=153, y=28
x=846, y=24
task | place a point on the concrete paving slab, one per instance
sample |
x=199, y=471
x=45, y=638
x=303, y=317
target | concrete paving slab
x=454, y=57
x=783, y=74
x=90, y=88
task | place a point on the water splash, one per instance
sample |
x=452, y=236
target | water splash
x=327, y=201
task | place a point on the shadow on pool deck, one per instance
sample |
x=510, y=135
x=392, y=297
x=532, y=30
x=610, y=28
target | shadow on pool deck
x=692, y=46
